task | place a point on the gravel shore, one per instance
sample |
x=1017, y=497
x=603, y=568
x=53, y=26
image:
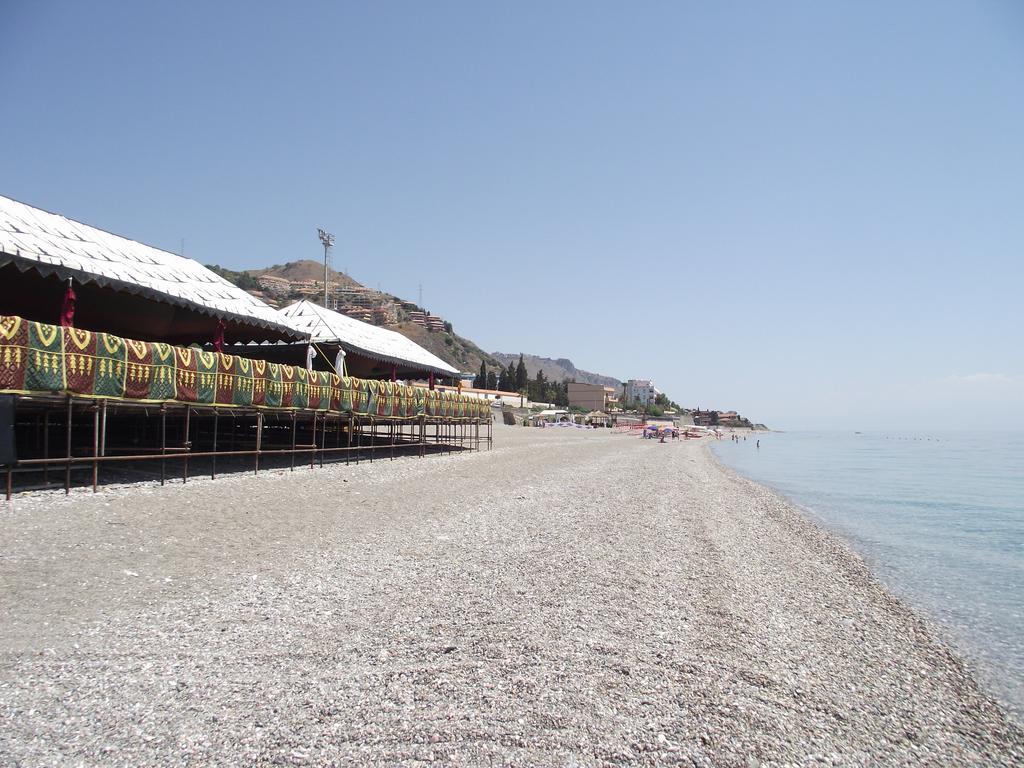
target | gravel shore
x=569, y=598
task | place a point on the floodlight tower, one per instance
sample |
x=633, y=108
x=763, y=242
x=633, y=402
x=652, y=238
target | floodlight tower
x=328, y=240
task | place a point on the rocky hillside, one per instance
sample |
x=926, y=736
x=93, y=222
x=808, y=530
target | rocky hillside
x=306, y=269
x=557, y=370
x=297, y=280
x=454, y=349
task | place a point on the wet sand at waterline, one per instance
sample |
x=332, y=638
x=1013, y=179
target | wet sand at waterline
x=571, y=597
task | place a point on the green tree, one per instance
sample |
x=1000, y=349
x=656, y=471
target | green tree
x=522, y=377
x=492, y=380
x=507, y=379
x=560, y=395
x=480, y=382
x=537, y=388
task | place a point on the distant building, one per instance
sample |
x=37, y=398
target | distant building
x=427, y=320
x=352, y=296
x=641, y=391
x=716, y=418
x=592, y=397
x=274, y=286
x=704, y=418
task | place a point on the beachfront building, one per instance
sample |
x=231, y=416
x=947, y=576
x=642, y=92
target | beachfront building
x=640, y=392
x=592, y=397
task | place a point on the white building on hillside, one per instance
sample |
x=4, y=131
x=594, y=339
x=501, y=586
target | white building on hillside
x=641, y=391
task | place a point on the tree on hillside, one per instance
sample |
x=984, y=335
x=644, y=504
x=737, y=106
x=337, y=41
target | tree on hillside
x=480, y=382
x=522, y=377
x=561, y=394
x=506, y=379
x=492, y=380
x=537, y=387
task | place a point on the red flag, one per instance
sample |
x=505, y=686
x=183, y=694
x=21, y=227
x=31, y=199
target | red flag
x=67, y=312
x=218, y=339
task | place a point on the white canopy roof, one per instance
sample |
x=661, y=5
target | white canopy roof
x=52, y=244
x=326, y=325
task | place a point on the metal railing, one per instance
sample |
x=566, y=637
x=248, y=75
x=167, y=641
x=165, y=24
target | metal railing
x=156, y=435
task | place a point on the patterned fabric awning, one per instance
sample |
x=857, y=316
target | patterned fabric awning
x=37, y=358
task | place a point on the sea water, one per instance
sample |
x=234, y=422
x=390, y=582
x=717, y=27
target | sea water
x=938, y=516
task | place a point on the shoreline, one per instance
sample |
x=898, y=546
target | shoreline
x=973, y=644
x=571, y=596
x=860, y=568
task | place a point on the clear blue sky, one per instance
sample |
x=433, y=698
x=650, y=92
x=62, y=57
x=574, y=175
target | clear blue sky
x=809, y=212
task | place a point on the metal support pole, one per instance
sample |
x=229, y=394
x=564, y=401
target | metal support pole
x=337, y=437
x=67, y=467
x=95, y=446
x=213, y=467
x=324, y=438
x=187, y=444
x=293, y=441
x=46, y=447
x=312, y=451
x=259, y=440
x=103, y=428
x=163, y=443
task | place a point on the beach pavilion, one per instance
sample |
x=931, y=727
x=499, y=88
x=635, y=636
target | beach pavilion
x=102, y=365
x=369, y=351
x=121, y=286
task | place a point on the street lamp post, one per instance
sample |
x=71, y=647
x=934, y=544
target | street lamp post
x=328, y=240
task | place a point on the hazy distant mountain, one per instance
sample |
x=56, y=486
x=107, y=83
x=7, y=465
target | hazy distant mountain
x=556, y=370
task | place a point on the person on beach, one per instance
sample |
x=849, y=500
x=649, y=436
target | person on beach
x=758, y=443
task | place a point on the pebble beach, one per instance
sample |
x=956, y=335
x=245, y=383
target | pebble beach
x=568, y=598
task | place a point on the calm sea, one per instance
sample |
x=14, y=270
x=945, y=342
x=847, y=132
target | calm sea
x=938, y=516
